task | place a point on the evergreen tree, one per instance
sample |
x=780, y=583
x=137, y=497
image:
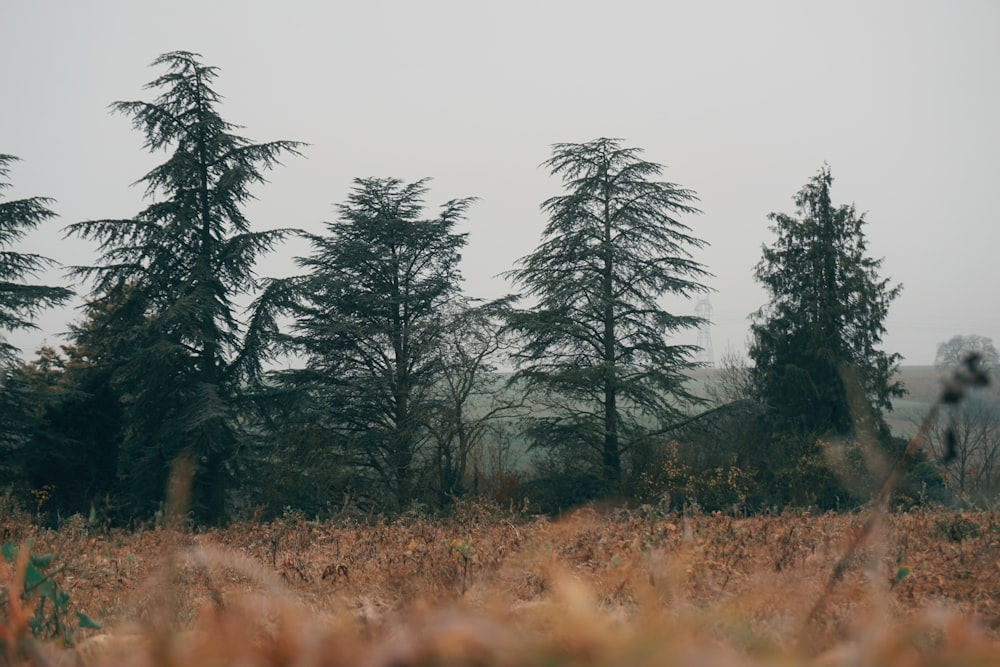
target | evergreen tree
x=172, y=275
x=20, y=303
x=817, y=367
x=369, y=315
x=595, y=345
x=814, y=344
x=75, y=446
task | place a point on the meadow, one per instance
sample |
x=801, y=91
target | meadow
x=497, y=586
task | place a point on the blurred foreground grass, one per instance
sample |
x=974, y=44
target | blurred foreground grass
x=487, y=587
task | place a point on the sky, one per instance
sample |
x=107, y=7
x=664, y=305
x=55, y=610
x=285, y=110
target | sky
x=743, y=102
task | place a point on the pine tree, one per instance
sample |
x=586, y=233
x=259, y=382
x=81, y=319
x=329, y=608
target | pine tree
x=21, y=302
x=815, y=344
x=181, y=264
x=369, y=315
x=595, y=345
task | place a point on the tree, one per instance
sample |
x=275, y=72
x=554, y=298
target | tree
x=20, y=303
x=369, y=318
x=471, y=404
x=951, y=353
x=732, y=380
x=75, y=446
x=595, y=347
x=180, y=265
x=967, y=441
x=817, y=366
x=966, y=437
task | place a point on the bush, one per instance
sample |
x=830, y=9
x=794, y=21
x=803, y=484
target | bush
x=32, y=599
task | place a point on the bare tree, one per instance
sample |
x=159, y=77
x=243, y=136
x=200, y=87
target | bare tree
x=732, y=381
x=473, y=402
x=967, y=439
x=950, y=353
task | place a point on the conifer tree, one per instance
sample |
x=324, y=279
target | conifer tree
x=596, y=345
x=369, y=318
x=182, y=263
x=20, y=303
x=817, y=364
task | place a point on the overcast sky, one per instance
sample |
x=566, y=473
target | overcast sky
x=742, y=101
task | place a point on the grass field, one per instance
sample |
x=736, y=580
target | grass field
x=485, y=587
x=922, y=384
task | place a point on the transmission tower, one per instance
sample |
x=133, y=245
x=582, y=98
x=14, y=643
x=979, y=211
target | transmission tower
x=705, y=355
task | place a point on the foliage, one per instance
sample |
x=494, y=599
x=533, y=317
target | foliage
x=595, y=350
x=717, y=460
x=33, y=600
x=172, y=275
x=73, y=448
x=288, y=462
x=815, y=342
x=369, y=321
x=816, y=365
x=20, y=302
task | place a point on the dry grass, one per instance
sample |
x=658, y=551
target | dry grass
x=600, y=587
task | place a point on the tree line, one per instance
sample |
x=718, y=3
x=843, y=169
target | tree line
x=388, y=391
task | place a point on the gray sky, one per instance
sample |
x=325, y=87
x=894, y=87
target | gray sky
x=743, y=101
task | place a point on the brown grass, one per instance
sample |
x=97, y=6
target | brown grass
x=599, y=587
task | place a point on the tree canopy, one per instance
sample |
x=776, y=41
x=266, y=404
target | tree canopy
x=369, y=318
x=181, y=264
x=815, y=344
x=951, y=352
x=21, y=301
x=595, y=342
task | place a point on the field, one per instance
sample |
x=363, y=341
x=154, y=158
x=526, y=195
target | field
x=922, y=383
x=603, y=586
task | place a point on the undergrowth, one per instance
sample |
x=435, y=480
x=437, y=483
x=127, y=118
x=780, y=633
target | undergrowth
x=489, y=587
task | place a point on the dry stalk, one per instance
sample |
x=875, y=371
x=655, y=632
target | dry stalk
x=968, y=375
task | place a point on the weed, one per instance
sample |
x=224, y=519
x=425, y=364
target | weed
x=957, y=527
x=33, y=601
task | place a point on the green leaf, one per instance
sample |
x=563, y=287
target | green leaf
x=46, y=589
x=9, y=551
x=33, y=577
x=902, y=573
x=87, y=622
x=43, y=561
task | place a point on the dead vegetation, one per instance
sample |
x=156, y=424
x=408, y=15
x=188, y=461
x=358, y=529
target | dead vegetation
x=488, y=587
